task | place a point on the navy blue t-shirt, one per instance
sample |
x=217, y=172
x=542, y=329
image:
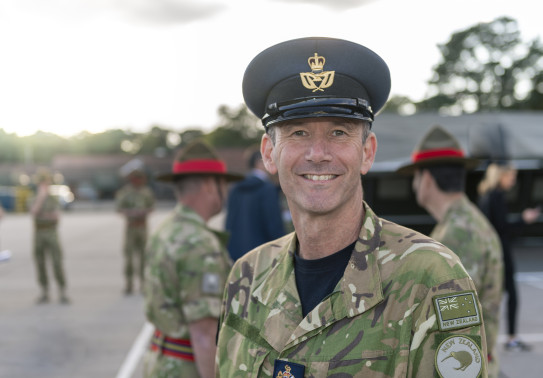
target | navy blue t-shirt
x=316, y=279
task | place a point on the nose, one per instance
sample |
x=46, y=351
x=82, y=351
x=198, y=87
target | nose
x=318, y=150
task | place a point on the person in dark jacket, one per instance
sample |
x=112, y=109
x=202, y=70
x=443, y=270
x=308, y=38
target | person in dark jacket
x=498, y=180
x=254, y=214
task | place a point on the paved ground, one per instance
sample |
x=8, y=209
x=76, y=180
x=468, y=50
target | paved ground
x=102, y=333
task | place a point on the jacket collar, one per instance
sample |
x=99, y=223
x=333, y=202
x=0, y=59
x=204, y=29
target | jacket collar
x=359, y=290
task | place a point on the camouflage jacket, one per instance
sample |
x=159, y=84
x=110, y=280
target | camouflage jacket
x=394, y=313
x=467, y=232
x=186, y=269
x=130, y=197
x=51, y=204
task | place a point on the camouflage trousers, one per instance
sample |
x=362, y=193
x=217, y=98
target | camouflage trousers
x=46, y=246
x=156, y=365
x=134, y=249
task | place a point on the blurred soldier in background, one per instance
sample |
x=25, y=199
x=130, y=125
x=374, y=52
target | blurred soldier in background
x=45, y=210
x=186, y=268
x=135, y=201
x=254, y=214
x=439, y=169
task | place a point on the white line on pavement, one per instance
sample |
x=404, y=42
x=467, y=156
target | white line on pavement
x=137, y=350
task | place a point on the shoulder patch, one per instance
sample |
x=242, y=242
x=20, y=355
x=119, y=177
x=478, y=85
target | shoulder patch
x=210, y=283
x=458, y=356
x=458, y=310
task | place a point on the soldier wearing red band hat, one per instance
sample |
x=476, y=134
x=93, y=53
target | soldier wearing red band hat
x=438, y=167
x=186, y=268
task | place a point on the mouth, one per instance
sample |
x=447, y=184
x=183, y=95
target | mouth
x=319, y=177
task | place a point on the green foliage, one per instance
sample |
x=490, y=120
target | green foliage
x=237, y=128
x=399, y=105
x=486, y=67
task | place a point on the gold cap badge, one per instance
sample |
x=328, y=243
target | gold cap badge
x=324, y=79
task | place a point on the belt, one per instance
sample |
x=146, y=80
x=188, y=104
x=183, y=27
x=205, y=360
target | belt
x=46, y=226
x=137, y=223
x=168, y=346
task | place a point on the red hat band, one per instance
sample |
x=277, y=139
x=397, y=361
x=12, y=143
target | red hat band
x=199, y=166
x=435, y=154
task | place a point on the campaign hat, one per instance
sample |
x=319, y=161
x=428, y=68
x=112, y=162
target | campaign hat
x=198, y=158
x=316, y=77
x=437, y=147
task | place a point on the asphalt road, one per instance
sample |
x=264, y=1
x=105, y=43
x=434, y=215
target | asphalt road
x=103, y=333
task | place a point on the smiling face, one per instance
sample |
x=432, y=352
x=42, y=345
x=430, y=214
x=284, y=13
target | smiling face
x=319, y=162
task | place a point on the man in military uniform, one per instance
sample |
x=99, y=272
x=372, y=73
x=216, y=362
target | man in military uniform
x=135, y=201
x=46, y=211
x=186, y=269
x=348, y=294
x=438, y=167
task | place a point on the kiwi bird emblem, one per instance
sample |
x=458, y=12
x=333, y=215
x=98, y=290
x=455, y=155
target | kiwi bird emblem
x=463, y=357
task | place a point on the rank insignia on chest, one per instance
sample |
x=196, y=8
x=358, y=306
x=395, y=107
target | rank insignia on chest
x=458, y=310
x=285, y=369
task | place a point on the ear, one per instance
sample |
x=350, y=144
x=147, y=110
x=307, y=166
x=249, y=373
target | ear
x=266, y=149
x=369, y=149
x=427, y=180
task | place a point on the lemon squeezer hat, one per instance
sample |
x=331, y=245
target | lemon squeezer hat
x=198, y=158
x=437, y=147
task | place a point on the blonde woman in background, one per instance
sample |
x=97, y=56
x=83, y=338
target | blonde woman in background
x=498, y=180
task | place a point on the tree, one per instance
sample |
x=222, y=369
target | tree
x=486, y=67
x=237, y=127
x=399, y=105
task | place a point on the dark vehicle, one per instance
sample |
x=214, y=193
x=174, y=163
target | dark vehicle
x=516, y=137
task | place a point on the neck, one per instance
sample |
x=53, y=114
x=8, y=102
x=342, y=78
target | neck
x=314, y=232
x=440, y=204
x=197, y=205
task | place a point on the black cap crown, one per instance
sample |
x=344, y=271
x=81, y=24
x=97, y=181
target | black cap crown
x=316, y=77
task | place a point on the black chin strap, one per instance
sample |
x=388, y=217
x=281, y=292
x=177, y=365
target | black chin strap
x=218, y=185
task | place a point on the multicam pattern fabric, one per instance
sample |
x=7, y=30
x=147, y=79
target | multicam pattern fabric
x=46, y=243
x=130, y=197
x=135, y=238
x=186, y=269
x=380, y=320
x=51, y=204
x=467, y=232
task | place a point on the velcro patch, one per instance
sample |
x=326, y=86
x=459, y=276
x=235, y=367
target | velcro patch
x=285, y=369
x=210, y=283
x=458, y=310
x=459, y=356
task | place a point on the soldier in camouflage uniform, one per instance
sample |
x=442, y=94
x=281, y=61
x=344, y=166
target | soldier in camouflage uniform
x=46, y=210
x=347, y=294
x=439, y=168
x=135, y=201
x=186, y=269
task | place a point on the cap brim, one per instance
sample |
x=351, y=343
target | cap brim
x=409, y=169
x=171, y=177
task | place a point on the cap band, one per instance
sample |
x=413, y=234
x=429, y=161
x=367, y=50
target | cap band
x=432, y=154
x=199, y=166
x=318, y=107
